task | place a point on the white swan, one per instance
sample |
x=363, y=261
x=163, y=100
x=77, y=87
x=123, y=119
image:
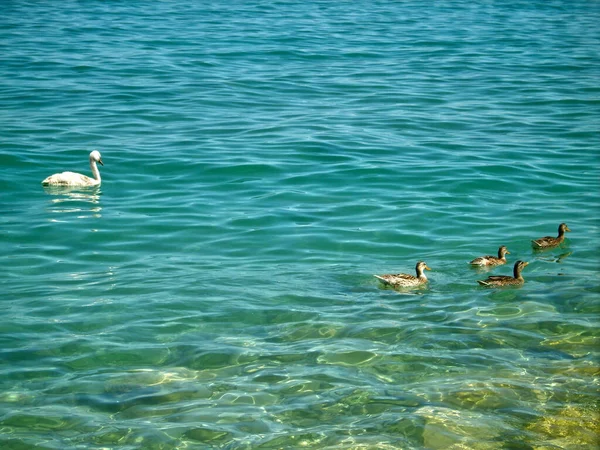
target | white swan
x=77, y=179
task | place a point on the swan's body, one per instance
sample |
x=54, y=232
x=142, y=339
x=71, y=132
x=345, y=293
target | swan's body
x=549, y=241
x=505, y=280
x=77, y=179
x=404, y=279
x=492, y=260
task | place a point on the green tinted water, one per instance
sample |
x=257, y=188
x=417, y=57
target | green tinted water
x=262, y=161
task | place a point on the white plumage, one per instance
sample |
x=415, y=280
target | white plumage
x=77, y=179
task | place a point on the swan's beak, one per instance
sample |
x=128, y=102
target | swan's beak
x=100, y=162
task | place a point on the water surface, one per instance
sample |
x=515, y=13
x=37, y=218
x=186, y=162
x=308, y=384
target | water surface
x=262, y=161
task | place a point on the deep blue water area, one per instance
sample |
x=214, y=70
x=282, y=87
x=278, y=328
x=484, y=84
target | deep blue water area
x=262, y=160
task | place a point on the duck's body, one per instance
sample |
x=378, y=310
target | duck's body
x=492, y=260
x=505, y=280
x=404, y=279
x=77, y=179
x=550, y=241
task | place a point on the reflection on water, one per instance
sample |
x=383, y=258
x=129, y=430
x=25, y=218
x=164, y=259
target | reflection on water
x=558, y=258
x=563, y=246
x=85, y=202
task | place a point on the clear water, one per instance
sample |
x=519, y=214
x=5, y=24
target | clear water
x=262, y=161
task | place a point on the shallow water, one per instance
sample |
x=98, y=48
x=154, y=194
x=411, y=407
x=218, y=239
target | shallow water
x=262, y=161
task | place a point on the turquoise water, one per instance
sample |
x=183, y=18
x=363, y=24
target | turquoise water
x=262, y=161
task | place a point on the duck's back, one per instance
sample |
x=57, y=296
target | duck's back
x=500, y=280
x=487, y=260
x=399, y=279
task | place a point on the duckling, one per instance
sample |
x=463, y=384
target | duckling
x=549, y=241
x=492, y=260
x=404, y=279
x=505, y=280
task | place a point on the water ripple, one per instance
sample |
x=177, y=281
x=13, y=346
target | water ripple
x=262, y=161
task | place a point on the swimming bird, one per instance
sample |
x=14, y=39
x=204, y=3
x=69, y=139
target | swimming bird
x=505, y=280
x=492, y=260
x=404, y=279
x=77, y=179
x=549, y=241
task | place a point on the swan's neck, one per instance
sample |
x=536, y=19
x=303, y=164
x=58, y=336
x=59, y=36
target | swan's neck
x=95, y=171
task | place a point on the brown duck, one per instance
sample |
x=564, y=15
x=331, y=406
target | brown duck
x=505, y=280
x=404, y=279
x=492, y=260
x=549, y=241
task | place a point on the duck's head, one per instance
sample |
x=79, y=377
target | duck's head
x=519, y=266
x=95, y=156
x=502, y=251
x=421, y=266
x=562, y=228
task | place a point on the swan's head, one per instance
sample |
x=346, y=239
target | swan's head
x=95, y=156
